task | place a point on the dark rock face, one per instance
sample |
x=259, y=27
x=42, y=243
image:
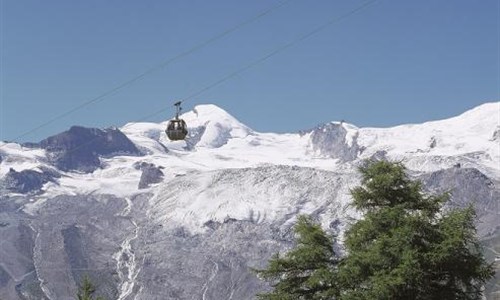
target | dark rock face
x=150, y=174
x=379, y=155
x=194, y=136
x=329, y=139
x=468, y=186
x=74, y=249
x=4, y=278
x=465, y=184
x=20, y=251
x=79, y=148
x=433, y=142
x=496, y=135
x=27, y=180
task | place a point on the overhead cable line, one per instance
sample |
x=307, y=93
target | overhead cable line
x=157, y=67
x=243, y=69
x=272, y=53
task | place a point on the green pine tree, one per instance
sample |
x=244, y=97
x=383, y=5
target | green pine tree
x=406, y=247
x=305, y=272
x=87, y=290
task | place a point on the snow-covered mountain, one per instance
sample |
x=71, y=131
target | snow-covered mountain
x=147, y=218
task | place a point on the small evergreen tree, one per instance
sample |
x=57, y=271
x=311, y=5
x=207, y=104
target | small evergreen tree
x=406, y=247
x=305, y=272
x=87, y=290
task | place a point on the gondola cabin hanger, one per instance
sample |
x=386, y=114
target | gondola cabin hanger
x=177, y=128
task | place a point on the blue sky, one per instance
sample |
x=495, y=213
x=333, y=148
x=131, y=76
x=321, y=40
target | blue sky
x=394, y=62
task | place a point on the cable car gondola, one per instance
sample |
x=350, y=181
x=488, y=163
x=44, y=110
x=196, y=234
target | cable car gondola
x=177, y=128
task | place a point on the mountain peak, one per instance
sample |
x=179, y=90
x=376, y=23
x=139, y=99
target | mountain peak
x=203, y=113
x=211, y=109
x=212, y=126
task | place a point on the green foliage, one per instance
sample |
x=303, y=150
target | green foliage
x=87, y=290
x=406, y=247
x=305, y=272
x=385, y=185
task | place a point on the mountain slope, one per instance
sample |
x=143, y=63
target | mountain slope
x=147, y=218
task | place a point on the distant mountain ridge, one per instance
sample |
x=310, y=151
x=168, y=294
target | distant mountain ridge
x=148, y=218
